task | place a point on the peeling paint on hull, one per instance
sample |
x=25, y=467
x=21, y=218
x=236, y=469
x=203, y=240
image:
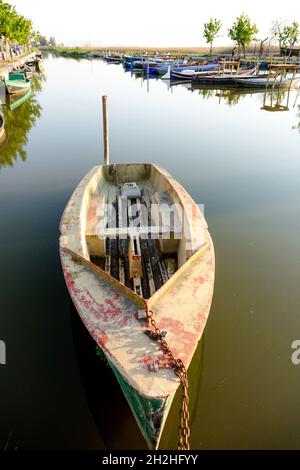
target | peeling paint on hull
x=109, y=309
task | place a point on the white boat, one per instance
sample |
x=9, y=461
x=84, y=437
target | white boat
x=136, y=252
x=263, y=82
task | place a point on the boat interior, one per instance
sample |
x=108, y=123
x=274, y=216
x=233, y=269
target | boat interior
x=130, y=231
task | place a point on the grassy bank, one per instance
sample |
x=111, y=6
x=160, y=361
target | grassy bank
x=81, y=52
x=67, y=52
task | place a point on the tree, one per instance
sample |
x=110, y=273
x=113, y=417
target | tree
x=7, y=18
x=261, y=47
x=211, y=30
x=14, y=27
x=277, y=30
x=290, y=36
x=243, y=31
x=52, y=41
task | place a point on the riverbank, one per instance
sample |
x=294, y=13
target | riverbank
x=102, y=51
x=85, y=52
x=6, y=67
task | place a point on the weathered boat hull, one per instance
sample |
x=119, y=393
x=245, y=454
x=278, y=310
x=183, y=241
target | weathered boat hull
x=110, y=310
x=17, y=86
x=113, y=60
x=150, y=414
x=15, y=100
x=223, y=78
x=263, y=82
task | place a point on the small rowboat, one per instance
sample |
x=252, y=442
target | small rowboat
x=125, y=261
x=116, y=273
x=263, y=81
x=20, y=74
x=17, y=85
x=186, y=71
x=227, y=77
x=16, y=100
x=113, y=59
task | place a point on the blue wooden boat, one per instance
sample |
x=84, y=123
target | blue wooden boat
x=172, y=72
x=113, y=59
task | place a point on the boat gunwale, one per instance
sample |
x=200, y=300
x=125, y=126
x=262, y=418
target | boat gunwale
x=66, y=224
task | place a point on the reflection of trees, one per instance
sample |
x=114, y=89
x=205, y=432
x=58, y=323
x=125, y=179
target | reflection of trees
x=18, y=124
x=231, y=96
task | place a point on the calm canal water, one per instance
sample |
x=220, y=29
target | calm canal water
x=239, y=160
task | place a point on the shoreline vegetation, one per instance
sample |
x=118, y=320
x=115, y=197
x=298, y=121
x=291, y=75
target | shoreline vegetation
x=86, y=52
x=82, y=51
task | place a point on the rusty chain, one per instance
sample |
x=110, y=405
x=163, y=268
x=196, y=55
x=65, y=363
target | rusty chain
x=181, y=372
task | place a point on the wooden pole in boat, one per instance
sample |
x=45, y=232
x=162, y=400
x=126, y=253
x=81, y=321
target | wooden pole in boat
x=105, y=129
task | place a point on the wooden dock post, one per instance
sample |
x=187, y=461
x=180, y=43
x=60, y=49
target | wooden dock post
x=105, y=129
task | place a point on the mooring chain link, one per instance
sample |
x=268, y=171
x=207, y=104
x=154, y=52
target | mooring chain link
x=181, y=372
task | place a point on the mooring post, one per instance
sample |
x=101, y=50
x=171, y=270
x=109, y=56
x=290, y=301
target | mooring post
x=105, y=129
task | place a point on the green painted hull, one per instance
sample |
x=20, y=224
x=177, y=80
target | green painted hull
x=17, y=86
x=150, y=414
x=14, y=103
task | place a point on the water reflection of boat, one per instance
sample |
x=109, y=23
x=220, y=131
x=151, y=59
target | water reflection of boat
x=14, y=101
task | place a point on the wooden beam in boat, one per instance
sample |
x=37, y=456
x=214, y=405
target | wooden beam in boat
x=121, y=270
x=148, y=267
x=135, y=258
x=163, y=270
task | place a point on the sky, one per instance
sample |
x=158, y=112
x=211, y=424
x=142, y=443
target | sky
x=147, y=23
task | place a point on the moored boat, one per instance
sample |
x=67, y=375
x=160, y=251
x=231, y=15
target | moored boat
x=16, y=86
x=16, y=100
x=21, y=74
x=126, y=277
x=113, y=59
x=266, y=81
x=223, y=77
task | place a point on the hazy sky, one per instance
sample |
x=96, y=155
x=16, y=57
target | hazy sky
x=147, y=23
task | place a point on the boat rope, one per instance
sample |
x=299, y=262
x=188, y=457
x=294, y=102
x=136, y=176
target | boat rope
x=181, y=372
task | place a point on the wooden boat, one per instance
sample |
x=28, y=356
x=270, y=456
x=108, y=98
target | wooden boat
x=16, y=100
x=2, y=131
x=20, y=74
x=186, y=71
x=17, y=86
x=136, y=252
x=223, y=77
x=188, y=74
x=265, y=81
x=113, y=59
